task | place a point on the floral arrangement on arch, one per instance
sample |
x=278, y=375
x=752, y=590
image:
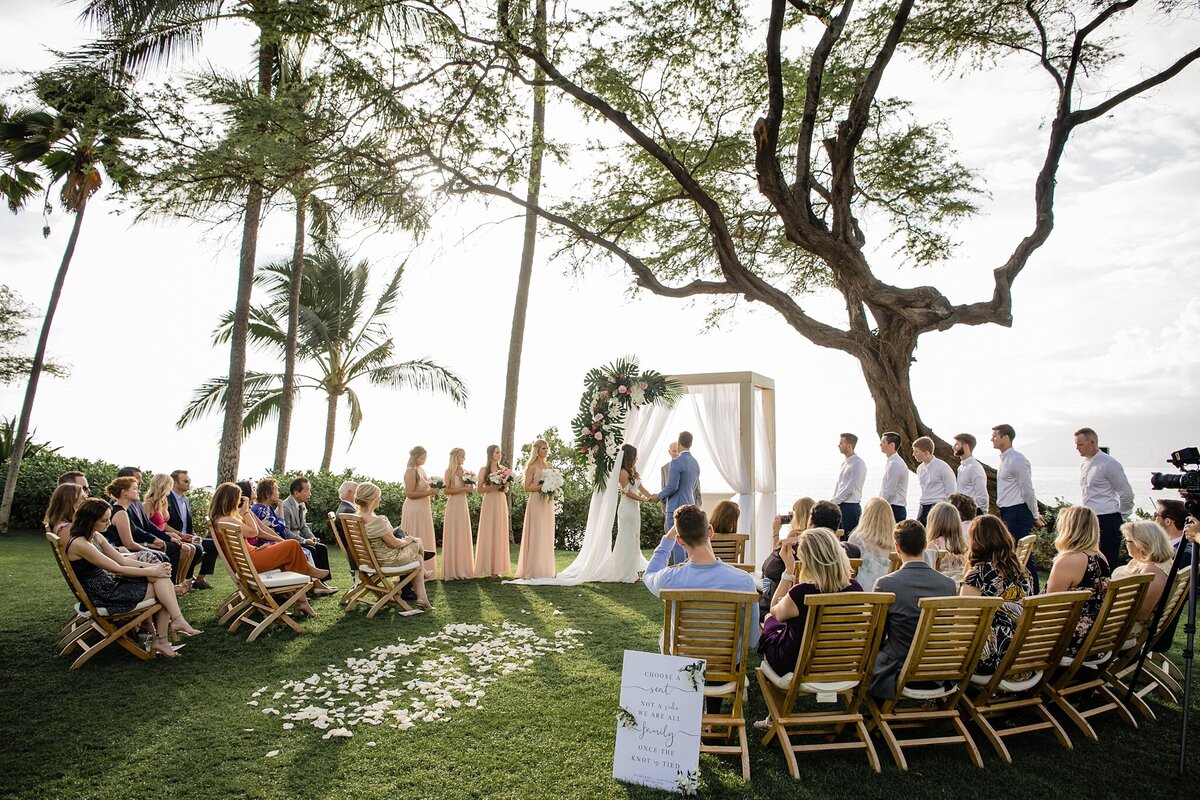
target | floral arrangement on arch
x=608, y=394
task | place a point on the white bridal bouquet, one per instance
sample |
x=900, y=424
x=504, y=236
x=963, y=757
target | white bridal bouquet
x=469, y=478
x=552, y=488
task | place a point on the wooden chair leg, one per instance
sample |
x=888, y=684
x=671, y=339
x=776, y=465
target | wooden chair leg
x=118, y=636
x=865, y=737
x=280, y=613
x=885, y=730
x=989, y=731
x=1073, y=714
x=745, y=748
x=972, y=749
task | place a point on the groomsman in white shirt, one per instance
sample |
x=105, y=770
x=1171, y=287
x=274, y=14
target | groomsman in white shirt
x=1106, y=491
x=1014, y=490
x=848, y=492
x=971, y=478
x=936, y=478
x=894, y=488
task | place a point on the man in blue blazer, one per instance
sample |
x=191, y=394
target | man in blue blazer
x=681, y=488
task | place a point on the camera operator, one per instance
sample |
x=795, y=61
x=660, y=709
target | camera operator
x=1173, y=517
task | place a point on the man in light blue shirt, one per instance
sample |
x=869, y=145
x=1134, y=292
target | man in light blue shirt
x=702, y=570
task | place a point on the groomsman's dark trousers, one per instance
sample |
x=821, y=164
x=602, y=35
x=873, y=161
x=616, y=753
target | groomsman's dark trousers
x=1110, y=537
x=1019, y=521
x=924, y=515
x=851, y=514
x=899, y=513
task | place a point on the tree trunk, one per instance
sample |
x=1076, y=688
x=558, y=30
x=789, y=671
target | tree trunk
x=516, y=341
x=288, y=399
x=330, y=430
x=231, y=432
x=35, y=372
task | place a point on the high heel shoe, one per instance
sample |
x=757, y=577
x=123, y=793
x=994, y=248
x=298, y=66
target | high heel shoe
x=168, y=652
x=425, y=605
x=189, y=631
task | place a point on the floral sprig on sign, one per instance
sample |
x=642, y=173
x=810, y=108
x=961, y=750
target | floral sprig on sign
x=625, y=718
x=687, y=784
x=608, y=394
x=695, y=673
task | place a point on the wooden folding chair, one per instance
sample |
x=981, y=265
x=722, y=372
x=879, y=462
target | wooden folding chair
x=939, y=559
x=1085, y=677
x=731, y=547
x=1025, y=548
x=1041, y=636
x=855, y=566
x=1161, y=680
x=841, y=639
x=946, y=649
x=259, y=590
x=383, y=584
x=715, y=625
x=98, y=621
x=333, y=522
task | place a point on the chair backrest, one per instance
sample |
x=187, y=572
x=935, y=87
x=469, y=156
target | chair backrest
x=357, y=541
x=1042, y=633
x=730, y=547
x=949, y=639
x=1115, y=617
x=333, y=529
x=841, y=638
x=940, y=559
x=1025, y=548
x=68, y=573
x=1176, y=600
x=709, y=624
x=236, y=551
x=855, y=566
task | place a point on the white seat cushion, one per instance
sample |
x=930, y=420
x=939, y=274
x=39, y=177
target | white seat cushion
x=913, y=693
x=723, y=689
x=81, y=611
x=1007, y=685
x=1129, y=645
x=149, y=601
x=409, y=567
x=784, y=681
x=283, y=580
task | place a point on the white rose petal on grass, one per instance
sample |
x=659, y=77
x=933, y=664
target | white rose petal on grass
x=287, y=726
x=272, y=754
x=252, y=703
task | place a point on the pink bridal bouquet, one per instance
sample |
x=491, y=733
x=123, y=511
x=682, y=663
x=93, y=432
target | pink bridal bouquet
x=502, y=477
x=469, y=478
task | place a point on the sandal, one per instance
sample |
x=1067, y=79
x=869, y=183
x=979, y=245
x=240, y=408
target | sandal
x=181, y=589
x=763, y=725
x=167, y=651
x=189, y=631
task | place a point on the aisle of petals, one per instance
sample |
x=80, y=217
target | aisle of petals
x=404, y=684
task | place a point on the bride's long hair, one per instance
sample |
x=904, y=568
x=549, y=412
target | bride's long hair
x=628, y=459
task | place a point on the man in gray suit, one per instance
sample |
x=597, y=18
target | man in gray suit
x=680, y=488
x=913, y=581
x=674, y=449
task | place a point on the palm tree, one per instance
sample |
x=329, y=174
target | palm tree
x=340, y=335
x=79, y=134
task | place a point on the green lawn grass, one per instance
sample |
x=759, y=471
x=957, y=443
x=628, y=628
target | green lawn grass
x=120, y=728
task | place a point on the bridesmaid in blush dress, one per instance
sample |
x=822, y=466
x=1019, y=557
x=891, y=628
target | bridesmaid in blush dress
x=537, y=534
x=457, y=561
x=416, y=516
x=491, y=545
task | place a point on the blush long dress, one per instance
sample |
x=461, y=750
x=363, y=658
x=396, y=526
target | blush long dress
x=457, y=561
x=491, y=543
x=416, y=520
x=537, y=538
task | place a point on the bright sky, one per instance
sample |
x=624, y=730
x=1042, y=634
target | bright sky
x=1107, y=328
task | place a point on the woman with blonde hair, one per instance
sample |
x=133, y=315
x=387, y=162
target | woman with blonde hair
x=1079, y=565
x=824, y=568
x=1150, y=552
x=392, y=547
x=458, y=563
x=155, y=504
x=491, y=544
x=873, y=538
x=536, y=559
x=993, y=571
x=944, y=530
x=416, y=515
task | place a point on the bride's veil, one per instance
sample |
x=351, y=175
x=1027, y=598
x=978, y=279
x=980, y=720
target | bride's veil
x=596, y=549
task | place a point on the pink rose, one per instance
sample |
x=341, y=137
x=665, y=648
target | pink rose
x=612, y=380
x=598, y=417
x=622, y=389
x=599, y=436
x=584, y=431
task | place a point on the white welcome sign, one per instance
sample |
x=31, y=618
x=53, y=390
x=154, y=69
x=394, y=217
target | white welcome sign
x=658, y=721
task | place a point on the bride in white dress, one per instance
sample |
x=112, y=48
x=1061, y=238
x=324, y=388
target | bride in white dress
x=627, y=560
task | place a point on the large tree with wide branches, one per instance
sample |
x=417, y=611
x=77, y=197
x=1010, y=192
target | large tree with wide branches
x=746, y=158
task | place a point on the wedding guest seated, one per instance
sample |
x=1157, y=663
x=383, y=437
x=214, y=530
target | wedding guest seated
x=873, y=537
x=267, y=534
x=266, y=504
x=295, y=518
x=390, y=549
x=230, y=505
x=772, y=566
x=911, y=583
x=60, y=511
x=702, y=570
x=139, y=521
x=1150, y=552
x=1079, y=565
x=117, y=582
x=724, y=517
x=155, y=513
x=967, y=510
x=346, y=493
x=78, y=478
x=824, y=568
x=993, y=571
x=121, y=533
x=945, y=531
x=179, y=518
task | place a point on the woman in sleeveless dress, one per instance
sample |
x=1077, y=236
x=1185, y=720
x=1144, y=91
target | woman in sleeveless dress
x=537, y=534
x=416, y=516
x=1079, y=565
x=457, y=560
x=627, y=559
x=118, y=582
x=389, y=549
x=491, y=545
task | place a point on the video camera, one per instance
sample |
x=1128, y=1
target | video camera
x=1188, y=482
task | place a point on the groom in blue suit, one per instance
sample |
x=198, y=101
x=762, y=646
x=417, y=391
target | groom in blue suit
x=680, y=489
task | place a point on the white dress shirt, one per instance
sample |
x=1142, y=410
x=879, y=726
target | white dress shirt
x=972, y=481
x=850, y=480
x=937, y=481
x=1014, y=482
x=1106, y=490
x=894, y=488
